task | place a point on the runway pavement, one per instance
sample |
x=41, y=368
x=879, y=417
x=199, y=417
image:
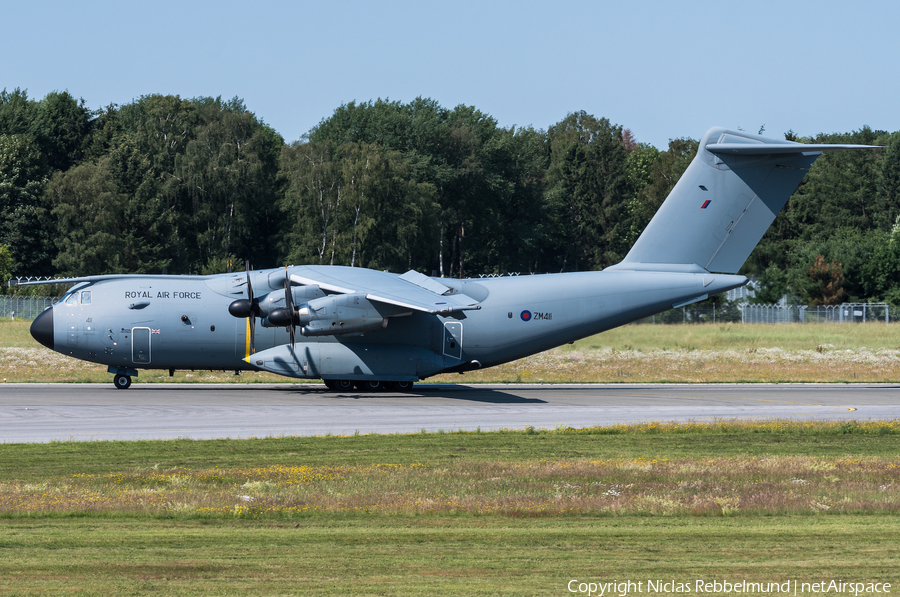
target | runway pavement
x=89, y=412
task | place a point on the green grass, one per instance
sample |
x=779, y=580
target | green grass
x=737, y=336
x=34, y=462
x=156, y=539
x=14, y=334
x=735, y=468
x=444, y=555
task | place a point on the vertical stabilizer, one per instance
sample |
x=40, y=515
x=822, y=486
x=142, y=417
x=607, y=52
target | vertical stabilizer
x=724, y=202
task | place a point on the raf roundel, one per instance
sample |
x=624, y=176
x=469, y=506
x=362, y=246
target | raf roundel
x=526, y=316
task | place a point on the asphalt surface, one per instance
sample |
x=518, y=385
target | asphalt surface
x=90, y=412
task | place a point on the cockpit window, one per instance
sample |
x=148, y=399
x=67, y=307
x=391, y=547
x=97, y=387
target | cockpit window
x=72, y=299
x=86, y=297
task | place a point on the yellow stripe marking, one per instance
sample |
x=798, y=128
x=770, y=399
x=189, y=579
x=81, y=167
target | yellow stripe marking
x=247, y=341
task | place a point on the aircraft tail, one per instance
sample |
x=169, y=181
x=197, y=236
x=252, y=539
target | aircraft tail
x=724, y=203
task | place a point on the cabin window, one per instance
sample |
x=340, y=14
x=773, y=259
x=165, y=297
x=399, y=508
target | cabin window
x=86, y=297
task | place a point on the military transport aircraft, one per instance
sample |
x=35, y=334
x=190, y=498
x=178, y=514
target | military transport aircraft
x=377, y=330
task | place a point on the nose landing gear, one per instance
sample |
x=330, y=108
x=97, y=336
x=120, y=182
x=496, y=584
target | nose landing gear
x=122, y=376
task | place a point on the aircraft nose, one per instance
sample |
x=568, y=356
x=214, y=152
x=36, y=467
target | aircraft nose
x=42, y=328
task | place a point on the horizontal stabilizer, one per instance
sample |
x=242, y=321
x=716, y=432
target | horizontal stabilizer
x=768, y=149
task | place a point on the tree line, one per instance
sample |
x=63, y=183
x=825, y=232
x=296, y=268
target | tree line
x=199, y=185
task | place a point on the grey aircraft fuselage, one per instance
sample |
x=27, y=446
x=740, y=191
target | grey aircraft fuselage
x=169, y=322
x=362, y=326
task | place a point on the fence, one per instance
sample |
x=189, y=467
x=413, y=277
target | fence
x=698, y=313
x=778, y=313
x=24, y=307
x=844, y=313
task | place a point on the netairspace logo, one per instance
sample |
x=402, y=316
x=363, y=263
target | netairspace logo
x=790, y=587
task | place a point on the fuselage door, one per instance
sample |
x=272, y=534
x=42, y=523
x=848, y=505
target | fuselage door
x=453, y=339
x=140, y=346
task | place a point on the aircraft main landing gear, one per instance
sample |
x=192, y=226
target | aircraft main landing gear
x=346, y=385
x=122, y=382
x=370, y=386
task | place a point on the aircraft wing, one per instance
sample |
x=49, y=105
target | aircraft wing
x=411, y=290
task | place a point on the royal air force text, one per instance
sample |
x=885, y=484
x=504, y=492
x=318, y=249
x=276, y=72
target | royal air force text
x=163, y=295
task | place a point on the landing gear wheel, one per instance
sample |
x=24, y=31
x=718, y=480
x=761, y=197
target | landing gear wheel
x=122, y=382
x=330, y=384
x=343, y=385
x=398, y=386
x=370, y=385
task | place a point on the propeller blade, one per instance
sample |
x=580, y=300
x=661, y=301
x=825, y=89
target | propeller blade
x=254, y=308
x=289, y=305
x=247, y=308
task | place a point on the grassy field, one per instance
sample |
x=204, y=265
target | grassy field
x=500, y=513
x=441, y=555
x=868, y=352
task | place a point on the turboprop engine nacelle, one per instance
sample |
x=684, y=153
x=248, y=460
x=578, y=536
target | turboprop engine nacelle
x=339, y=314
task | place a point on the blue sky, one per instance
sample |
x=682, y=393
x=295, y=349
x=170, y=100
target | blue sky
x=663, y=69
